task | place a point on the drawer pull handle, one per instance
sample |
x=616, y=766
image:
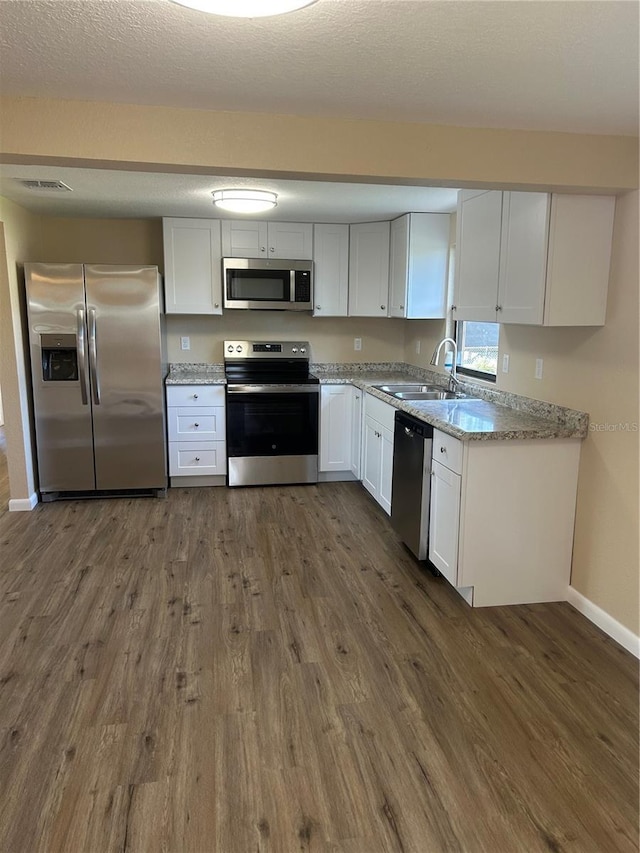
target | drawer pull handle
x=442, y=449
x=196, y=425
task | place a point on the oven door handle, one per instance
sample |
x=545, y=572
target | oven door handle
x=273, y=389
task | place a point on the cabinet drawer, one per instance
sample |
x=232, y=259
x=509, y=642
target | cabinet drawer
x=195, y=395
x=379, y=411
x=188, y=458
x=447, y=450
x=204, y=423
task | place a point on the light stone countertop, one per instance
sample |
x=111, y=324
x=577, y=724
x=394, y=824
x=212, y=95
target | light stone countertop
x=486, y=414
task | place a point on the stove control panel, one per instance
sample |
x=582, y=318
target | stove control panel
x=266, y=349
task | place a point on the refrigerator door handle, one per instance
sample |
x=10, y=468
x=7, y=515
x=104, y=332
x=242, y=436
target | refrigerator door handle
x=93, y=357
x=82, y=356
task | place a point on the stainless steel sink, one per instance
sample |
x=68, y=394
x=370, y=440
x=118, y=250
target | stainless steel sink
x=415, y=391
x=427, y=395
x=408, y=386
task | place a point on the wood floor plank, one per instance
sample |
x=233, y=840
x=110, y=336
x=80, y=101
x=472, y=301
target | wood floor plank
x=269, y=670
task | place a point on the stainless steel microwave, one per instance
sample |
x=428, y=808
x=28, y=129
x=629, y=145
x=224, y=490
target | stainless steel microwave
x=272, y=285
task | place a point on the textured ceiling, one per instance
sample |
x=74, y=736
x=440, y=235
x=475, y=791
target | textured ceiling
x=563, y=65
x=567, y=65
x=104, y=193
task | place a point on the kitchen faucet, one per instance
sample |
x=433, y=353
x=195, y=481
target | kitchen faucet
x=453, y=379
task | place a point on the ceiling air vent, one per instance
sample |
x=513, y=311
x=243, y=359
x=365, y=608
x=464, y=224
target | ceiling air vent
x=49, y=186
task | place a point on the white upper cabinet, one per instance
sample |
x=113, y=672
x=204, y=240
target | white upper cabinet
x=418, y=261
x=477, y=255
x=248, y=239
x=192, y=272
x=533, y=258
x=369, y=269
x=523, y=257
x=580, y=240
x=330, y=270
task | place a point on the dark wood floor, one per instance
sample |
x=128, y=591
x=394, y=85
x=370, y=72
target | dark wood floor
x=252, y=670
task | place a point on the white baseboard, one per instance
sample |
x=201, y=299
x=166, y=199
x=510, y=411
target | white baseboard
x=616, y=630
x=23, y=504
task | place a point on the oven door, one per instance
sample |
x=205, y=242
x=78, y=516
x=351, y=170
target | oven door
x=272, y=434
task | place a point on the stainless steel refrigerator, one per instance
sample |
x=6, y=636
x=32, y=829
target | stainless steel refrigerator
x=97, y=373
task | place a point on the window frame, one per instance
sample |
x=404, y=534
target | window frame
x=468, y=371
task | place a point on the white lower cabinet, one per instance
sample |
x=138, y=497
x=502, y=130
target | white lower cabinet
x=356, y=432
x=502, y=517
x=377, y=450
x=196, y=427
x=444, y=521
x=335, y=427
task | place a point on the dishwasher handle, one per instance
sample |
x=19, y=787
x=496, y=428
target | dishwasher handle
x=413, y=426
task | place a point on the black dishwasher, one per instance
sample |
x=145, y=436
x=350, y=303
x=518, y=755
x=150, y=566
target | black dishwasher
x=410, y=489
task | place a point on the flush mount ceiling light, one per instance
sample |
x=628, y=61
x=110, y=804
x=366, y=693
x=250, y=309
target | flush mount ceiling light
x=245, y=8
x=245, y=201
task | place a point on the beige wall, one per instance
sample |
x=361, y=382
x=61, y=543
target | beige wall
x=331, y=338
x=19, y=241
x=101, y=241
x=587, y=369
x=215, y=142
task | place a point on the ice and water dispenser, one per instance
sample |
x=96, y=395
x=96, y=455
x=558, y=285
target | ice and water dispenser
x=59, y=358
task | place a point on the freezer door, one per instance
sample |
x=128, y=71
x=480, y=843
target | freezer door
x=57, y=344
x=123, y=327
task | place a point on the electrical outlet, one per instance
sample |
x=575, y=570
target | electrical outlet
x=357, y=344
x=538, y=373
x=505, y=362
x=418, y=347
x=185, y=342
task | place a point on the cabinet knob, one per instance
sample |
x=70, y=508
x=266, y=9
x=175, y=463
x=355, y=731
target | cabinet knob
x=317, y=307
x=272, y=249
x=196, y=425
x=454, y=307
x=498, y=307
x=216, y=305
x=402, y=307
x=195, y=396
x=197, y=459
x=443, y=450
x=383, y=307
x=263, y=248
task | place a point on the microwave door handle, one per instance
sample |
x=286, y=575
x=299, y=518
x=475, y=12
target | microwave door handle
x=292, y=288
x=82, y=355
x=93, y=357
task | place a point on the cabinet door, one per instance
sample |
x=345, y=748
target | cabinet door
x=369, y=269
x=580, y=240
x=371, y=457
x=399, y=266
x=330, y=270
x=386, y=468
x=428, y=266
x=192, y=269
x=356, y=433
x=335, y=428
x=478, y=256
x=523, y=257
x=244, y=239
x=293, y=240
x=444, y=521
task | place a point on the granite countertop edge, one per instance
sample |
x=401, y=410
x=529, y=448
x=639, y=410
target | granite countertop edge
x=522, y=417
